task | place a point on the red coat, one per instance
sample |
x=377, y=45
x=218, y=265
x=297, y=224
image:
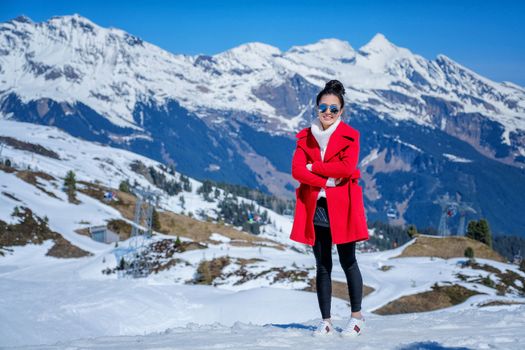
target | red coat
x=345, y=201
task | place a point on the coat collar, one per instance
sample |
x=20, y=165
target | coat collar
x=342, y=137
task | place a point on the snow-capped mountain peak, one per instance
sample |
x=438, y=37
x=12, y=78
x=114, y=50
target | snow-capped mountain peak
x=257, y=48
x=245, y=57
x=379, y=44
x=331, y=47
x=74, y=20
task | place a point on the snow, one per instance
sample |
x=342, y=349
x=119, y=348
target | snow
x=373, y=155
x=456, y=158
x=73, y=309
x=398, y=140
x=379, y=43
x=55, y=303
x=68, y=309
x=86, y=159
x=114, y=70
x=405, y=332
x=219, y=237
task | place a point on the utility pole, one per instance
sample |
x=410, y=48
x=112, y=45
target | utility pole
x=144, y=205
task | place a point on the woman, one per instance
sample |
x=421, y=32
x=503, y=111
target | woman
x=329, y=204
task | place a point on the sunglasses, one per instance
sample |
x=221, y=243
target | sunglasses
x=323, y=107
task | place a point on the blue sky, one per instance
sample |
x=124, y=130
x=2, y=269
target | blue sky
x=486, y=36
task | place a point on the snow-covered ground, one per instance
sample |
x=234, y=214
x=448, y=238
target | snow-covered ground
x=71, y=304
x=484, y=329
x=53, y=301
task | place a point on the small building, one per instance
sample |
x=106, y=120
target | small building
x=103, y=234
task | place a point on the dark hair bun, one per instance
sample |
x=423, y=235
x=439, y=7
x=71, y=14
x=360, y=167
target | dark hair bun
x=336, y=86
x=333, y=87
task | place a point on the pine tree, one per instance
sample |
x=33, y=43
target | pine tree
x=472, y=230
x=485, y=232
x=186, y=185
x=480, y=231
x=70, y=184
x=205, y=190
x=155, y=220
x=412, y=231
x=124, y=186
x=16, y=212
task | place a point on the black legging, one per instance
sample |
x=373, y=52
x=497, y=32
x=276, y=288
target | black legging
x=323, y=256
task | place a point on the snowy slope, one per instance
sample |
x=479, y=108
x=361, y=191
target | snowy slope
x=46, y=300
x=91, y=162
x=67, y=303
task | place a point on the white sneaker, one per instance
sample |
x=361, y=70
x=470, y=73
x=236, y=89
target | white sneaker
x=324, y=328
x=354, y=327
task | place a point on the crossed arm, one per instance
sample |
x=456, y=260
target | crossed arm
x=343, y=168
x=302, y=174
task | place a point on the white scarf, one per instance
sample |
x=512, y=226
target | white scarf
x=323, y=136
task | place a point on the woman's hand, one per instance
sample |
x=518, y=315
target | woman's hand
x=333, y=182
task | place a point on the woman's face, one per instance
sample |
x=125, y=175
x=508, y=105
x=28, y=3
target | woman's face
x=328, y=118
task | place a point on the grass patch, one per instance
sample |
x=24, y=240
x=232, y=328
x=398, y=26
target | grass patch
x=7, y=169
x=290, y=275
x=500, y=302
x=32, y=229
x=64, y=249
x=168, y=247
x=199, y=231
x=209, y=270
x=31, y=177
x=507, y=278
x=448, y=247
x=176, y=224
x=475, y=265
x=31, y=147
x=120, y=227
x=244, y=262
x=280, y=275
x=439, y=297
x=159, y=256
